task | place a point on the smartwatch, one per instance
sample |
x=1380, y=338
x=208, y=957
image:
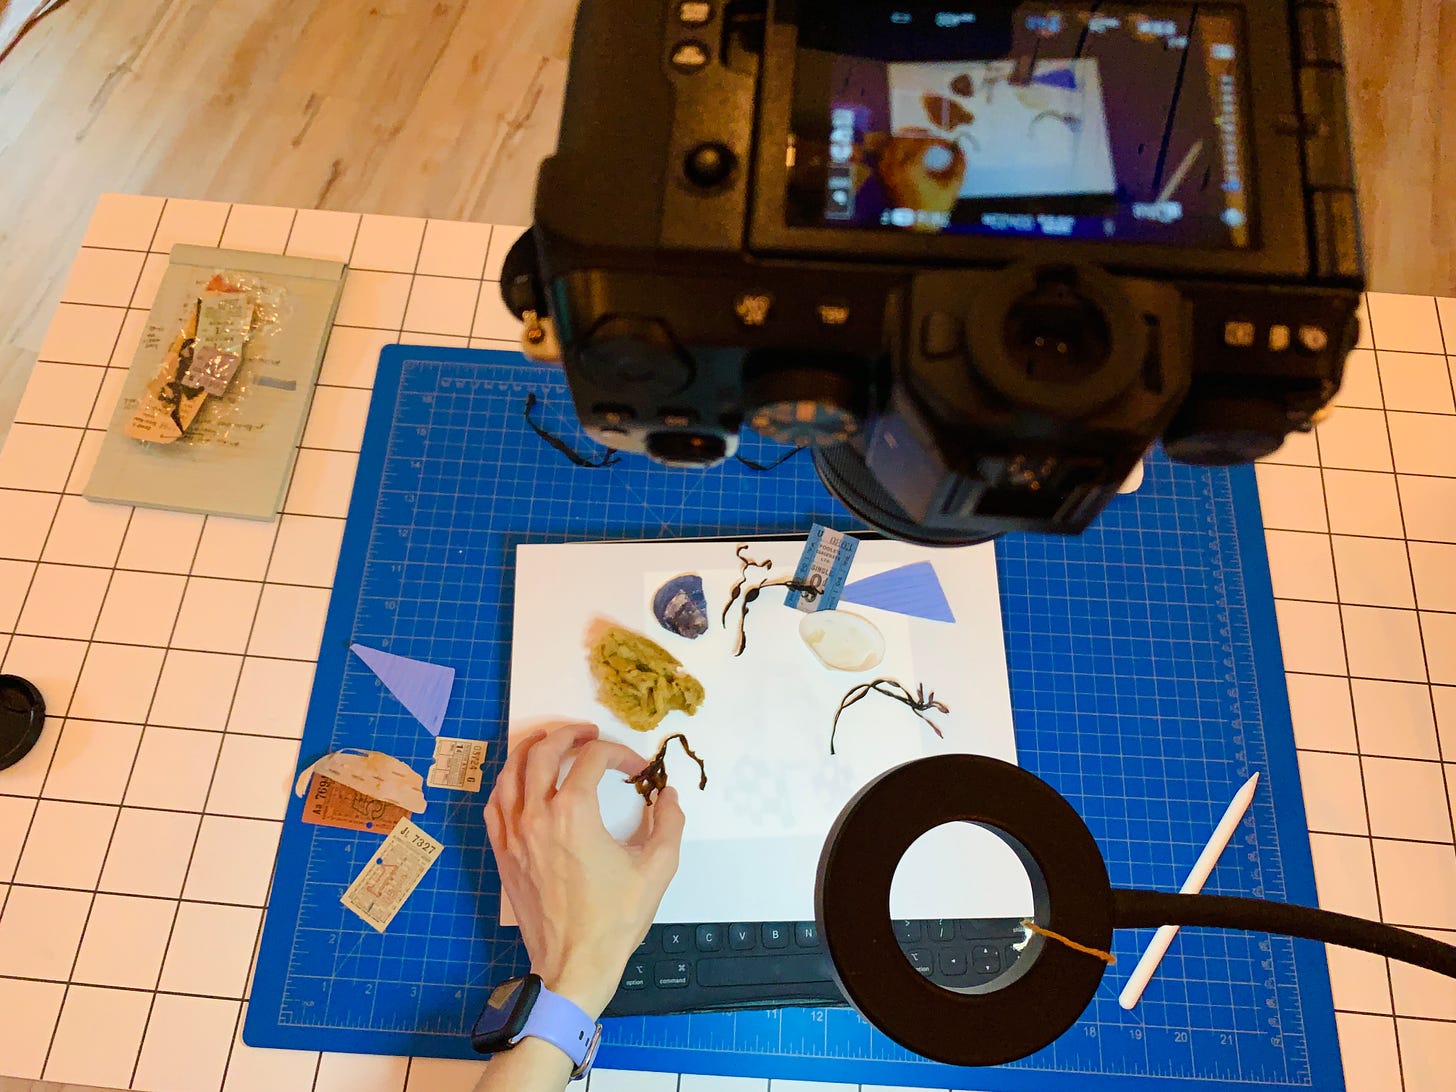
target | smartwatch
x=524, y=1007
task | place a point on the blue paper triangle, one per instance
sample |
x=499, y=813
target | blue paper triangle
x=422, y=688
x=1057, y=77
x=913, y=590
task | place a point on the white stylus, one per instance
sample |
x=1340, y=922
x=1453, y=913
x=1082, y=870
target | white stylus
x=1202, y=868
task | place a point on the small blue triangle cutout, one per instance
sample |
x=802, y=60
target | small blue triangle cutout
x=912, y=590
x=422, y=688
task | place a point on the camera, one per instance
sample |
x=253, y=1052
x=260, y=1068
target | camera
x=978, y=259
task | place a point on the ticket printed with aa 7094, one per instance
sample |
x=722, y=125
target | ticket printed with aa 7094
x=393, y=872
x=457, y=764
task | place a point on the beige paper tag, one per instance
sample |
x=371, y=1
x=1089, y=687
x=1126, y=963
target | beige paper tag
x=457, y=764
x=393, y=872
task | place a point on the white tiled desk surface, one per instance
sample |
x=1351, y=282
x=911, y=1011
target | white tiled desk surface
x=176, y=653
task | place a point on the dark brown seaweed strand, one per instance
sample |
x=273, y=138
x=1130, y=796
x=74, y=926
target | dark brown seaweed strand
x=767, y=468
x=745, y=563
x=653, y=778
x=918, y=702
x=749, y=597
x=610, y=458
x=1071, y=121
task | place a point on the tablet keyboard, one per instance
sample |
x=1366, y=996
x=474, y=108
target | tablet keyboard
x=755, y=965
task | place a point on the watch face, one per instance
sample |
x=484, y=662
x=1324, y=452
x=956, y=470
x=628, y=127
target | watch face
x=505, y=1014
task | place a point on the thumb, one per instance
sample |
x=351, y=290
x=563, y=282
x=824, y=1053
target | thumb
x=668, y=821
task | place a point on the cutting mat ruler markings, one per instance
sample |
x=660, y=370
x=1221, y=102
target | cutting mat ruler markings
x=1145, y=679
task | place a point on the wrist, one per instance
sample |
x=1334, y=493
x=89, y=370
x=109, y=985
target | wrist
x=588, y=990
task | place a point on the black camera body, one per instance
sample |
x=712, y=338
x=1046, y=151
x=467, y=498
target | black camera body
x=980, y=260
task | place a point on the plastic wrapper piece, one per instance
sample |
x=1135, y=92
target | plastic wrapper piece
x=202, y=360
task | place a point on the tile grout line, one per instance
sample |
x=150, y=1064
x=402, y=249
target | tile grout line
x=80, y=673
x=1415, y=598
x=1354, y=719
x=146, y=722
x=232, y=704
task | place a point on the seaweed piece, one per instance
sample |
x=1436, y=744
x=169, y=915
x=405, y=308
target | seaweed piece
x=745, y=563
x=919, y=702
x=1071, y=121
x=640, y=681
x=765, y=468
x=610, y=458
x=808, y=591
x=946, y=113
x=653, y=778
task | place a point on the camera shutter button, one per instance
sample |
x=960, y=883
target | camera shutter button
x=709, y=165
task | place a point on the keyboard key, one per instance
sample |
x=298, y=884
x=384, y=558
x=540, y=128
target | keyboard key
x=636, y=976
x=909, y=932
x=942, y=929
x=742, y=937
x=764, y=970
x=775, y=934
x=952, y=962
x=710, y=938
x=921, y=960
x=673, y=974
x=985, y=959
x=675, y=939
x=806, y=934
x=1009, y=955
x=646, y=945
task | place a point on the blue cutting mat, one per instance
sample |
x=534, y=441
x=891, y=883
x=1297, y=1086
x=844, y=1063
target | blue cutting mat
x=1146, y=681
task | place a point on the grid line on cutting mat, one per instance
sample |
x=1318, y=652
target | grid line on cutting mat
x=451, y=479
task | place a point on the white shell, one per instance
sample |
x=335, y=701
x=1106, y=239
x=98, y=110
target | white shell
x=843, y=641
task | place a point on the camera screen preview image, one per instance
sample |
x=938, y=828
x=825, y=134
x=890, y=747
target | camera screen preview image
x=1094, y=122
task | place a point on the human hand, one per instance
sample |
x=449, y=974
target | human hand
x=583, y=900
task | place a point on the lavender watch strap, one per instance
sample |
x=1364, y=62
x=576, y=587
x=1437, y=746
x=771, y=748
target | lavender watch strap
x=563, y=1024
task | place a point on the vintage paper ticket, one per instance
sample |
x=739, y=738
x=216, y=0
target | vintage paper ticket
x=333, y=804
x=372, y=773
x=391, y=875
x=457, y=764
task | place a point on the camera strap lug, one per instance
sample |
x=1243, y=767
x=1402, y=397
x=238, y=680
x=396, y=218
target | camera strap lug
x=538, y=339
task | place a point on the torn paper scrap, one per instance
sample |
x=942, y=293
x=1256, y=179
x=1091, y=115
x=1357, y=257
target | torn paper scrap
x=422, y=688
x=457, y=764
x=333, y=804
x=373, y=773
x=393, y=872
x=912, y=590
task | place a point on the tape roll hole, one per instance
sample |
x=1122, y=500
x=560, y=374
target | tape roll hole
x=956, y=901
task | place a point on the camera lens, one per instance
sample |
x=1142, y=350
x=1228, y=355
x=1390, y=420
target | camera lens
x=1056, y=335
x=687, y=449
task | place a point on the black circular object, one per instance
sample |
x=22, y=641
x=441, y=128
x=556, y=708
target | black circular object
x=22, y=715
x=1224, y=431
x=1050, y=985
x=1077, y=308
x=520, y=283
x=709, y=165
x=843, y=471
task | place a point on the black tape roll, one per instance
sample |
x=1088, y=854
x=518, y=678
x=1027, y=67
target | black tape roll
x=1050, y=985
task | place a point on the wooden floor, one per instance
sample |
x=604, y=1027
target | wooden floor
x=444, y=108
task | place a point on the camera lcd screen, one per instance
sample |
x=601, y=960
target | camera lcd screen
x=1085, y=120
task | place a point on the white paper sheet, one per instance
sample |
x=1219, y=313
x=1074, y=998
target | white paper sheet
x=1017, y=145
x=753, y=837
